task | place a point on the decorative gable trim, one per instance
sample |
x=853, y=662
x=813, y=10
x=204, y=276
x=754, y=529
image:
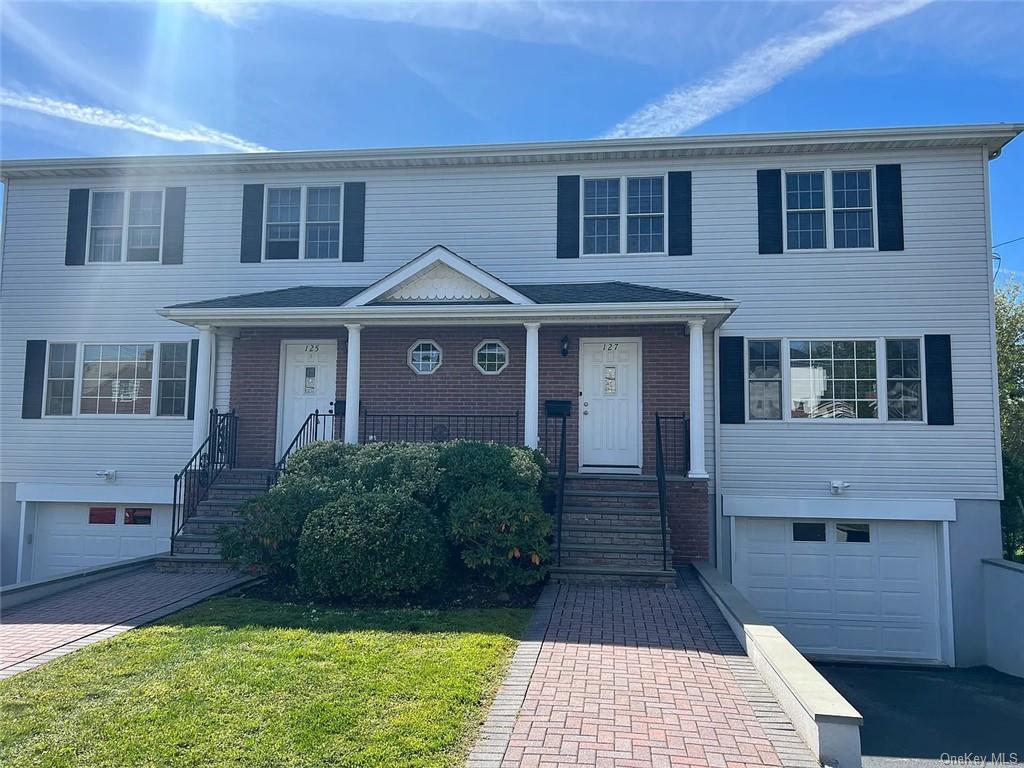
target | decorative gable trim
x=438, y=276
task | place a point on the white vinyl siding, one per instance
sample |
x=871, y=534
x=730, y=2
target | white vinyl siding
x=511, y=233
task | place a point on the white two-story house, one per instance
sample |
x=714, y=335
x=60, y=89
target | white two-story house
x=794, y=332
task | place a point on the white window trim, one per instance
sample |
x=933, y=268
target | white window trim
x=881, y=377
x=829, y=233
x=119, y=515
x=302, y=220
x=127, y=192
x=440, y=357
x=623, y=215
x=76, y=409
x=476, y=350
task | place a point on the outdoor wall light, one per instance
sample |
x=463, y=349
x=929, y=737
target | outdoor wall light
x=565, y=346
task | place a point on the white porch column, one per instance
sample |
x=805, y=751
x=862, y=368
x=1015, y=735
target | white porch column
x=204, y=367
x=352, y=384
x=531, y=432
x=697, y=469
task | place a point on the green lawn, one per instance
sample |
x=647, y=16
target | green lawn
x=246, y=682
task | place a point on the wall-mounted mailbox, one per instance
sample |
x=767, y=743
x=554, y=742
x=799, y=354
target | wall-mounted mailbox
x=558, y=407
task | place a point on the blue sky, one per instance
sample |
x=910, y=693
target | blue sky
x=88, y=78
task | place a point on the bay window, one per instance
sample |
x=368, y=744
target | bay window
x=117, y=379
x=835, y=379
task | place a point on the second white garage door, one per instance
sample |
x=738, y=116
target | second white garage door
x=68, y=537
x=840, y=588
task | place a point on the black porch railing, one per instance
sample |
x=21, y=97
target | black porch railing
x=193, y=482
x=441, y=427
x=671, y=456
x=560, y=421
x=317, y=426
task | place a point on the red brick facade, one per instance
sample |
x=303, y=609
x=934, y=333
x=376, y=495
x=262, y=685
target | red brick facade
x=388, y=385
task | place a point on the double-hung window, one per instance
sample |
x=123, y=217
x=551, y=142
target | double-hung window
x=835, y=379
x=125, y=226
x=117, y=379
x=303, y=221
x=829, y=209
x=641, y=215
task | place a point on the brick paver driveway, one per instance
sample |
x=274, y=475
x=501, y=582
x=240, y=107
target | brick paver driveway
x=40, y=631
x=638, y=677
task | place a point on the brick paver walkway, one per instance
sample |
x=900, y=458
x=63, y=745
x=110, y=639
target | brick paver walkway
x=45, y=629
x=637, y=677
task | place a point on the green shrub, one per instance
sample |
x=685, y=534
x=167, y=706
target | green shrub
x=402, y=467
x=465, y=465
x=501, y=534
x=373, y=543
x=269, y=538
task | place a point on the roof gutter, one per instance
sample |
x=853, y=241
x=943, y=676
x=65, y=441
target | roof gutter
x=442, y=314
x=993, y=136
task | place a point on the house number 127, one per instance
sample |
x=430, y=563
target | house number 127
x=611, y=346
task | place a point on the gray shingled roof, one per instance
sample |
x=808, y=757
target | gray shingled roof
x=313, y=296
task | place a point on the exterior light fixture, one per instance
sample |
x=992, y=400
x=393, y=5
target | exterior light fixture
x=565, y=346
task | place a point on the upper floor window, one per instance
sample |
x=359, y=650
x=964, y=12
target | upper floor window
x=835, y=379
x=117, y=379
x=125, y=226
x=641, y=215
x=303, y=220
x=829, y=209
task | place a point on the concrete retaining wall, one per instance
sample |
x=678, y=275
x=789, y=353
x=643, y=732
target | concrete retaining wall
x=1004, y=615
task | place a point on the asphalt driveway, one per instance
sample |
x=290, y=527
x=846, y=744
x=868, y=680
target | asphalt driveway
x=916, y=717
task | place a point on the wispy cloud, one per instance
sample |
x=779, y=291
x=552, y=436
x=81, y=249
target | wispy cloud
x=106, y=118
x=758, y=70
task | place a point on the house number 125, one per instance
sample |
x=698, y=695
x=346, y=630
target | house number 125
x=312, y=347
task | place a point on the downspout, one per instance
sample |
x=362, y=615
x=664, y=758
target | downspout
x=716, y=550
x=21, y=541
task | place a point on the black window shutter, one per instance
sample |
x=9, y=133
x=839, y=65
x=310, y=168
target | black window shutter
x=769, y=211
x=353, y=237
x=938, y=371
x=252, y=223
x=567, y=237
x=731, y=406
x=78, y=226
x=680, y=213
x=35, y=375
x=889, y=179
x=193, y=364
x=174, y=225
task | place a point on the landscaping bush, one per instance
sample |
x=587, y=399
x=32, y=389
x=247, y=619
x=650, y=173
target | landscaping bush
x=501, y=534
x=465, y=465
x=269, y=538
x=371, y=544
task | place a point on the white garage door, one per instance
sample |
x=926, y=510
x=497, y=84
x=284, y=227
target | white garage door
x=65, y=540
x=844, y=588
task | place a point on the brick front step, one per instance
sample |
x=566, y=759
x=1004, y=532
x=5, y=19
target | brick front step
x=602, y=498
x=619, y=554
x=578, y=536
x=201, y=524
x=611, y=482
x=614, y=575
x=611, y=517
x=219, y=508
x=196, y=544
x=194, y=564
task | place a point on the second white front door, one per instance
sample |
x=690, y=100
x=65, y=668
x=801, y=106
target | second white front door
x=610, y=404
x=309, y=382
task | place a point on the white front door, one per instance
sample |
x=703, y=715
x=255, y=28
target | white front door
x=309, y=383
x=610, y=404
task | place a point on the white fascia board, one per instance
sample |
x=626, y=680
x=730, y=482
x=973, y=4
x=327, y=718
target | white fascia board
x=501, y=314
x=437, y=255
x=95, y=494
x=839, y=507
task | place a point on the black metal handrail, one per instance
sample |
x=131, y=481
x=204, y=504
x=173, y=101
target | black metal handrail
x=317, y=426
x=441, y=427
x=217, y=453
x=675, y=426
x=560, y=493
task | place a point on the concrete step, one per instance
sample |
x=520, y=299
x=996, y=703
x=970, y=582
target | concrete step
x=614, y=575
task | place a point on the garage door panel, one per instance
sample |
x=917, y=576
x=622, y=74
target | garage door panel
x=860, y=603
x=855, y=567
x=809, y=565
x=876, y=598
x=767, y=564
